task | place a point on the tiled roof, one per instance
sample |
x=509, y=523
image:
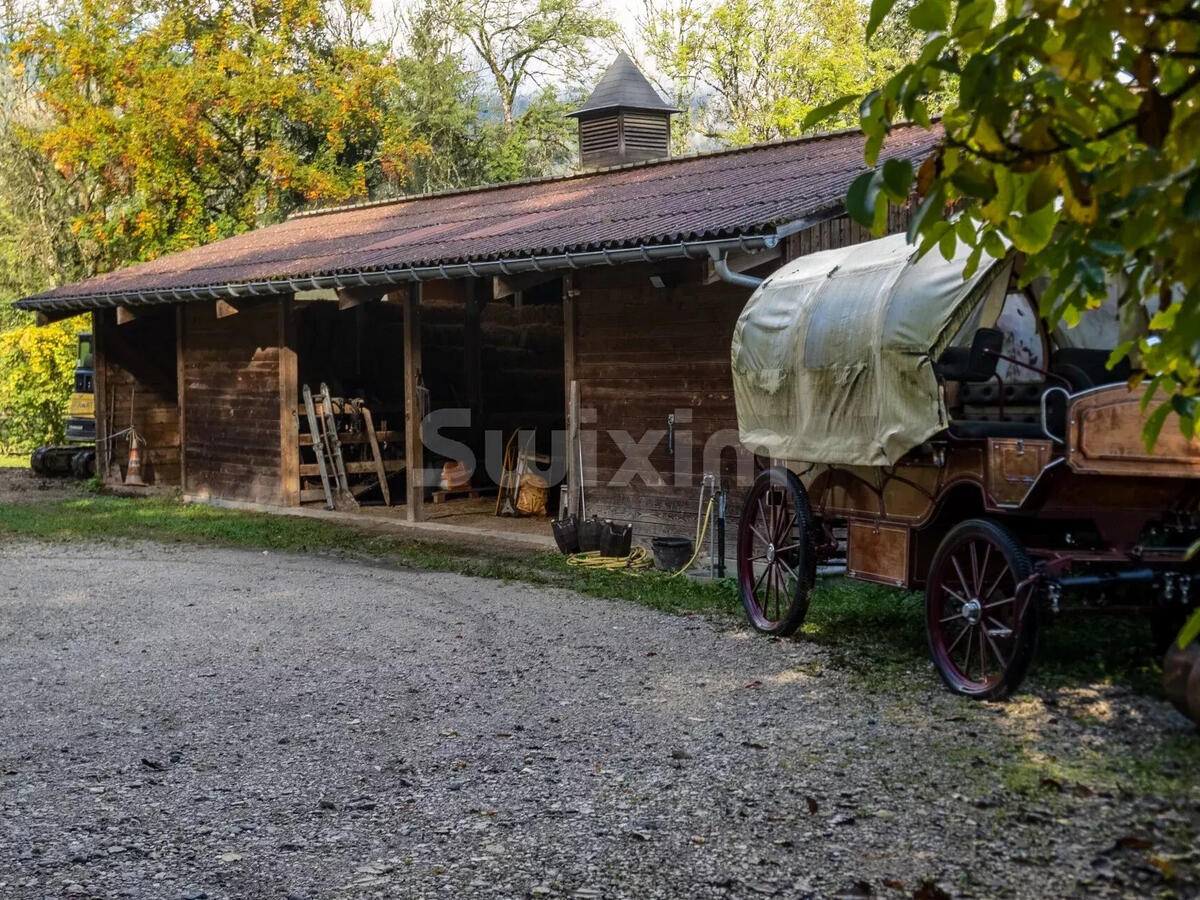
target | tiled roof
x=623, y=86
x=749, y=191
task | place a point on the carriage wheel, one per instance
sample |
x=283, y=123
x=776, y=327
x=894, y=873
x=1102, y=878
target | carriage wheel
x=981, y=634
x=776, y=554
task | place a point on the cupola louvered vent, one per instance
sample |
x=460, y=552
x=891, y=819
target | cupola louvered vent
x=624, y=120
x=598, y=136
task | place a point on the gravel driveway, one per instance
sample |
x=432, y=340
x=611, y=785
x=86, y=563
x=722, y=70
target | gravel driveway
x=187, y=722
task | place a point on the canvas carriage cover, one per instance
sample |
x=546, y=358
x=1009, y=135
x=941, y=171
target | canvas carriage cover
x=832, y=356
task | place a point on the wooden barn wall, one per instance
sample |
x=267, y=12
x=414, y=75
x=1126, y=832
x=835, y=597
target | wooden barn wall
x=136, y=384
x=642, y=353
x=239, y=393
x=839, y=232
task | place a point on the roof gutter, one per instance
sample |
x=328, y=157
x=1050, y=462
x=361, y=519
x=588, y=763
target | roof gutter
x=385, y=278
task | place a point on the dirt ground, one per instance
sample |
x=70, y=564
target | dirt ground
x=20, y=485
x=183, y=722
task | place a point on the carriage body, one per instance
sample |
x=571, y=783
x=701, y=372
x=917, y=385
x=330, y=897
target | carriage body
x=1096, y=499
x=893, y=439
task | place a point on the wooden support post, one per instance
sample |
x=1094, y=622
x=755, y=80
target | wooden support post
x=181, y=392
x=125, y=315
x=100, y=408
x=478, y=294
x=571, y=395
x=289, y=395
x=414, y=449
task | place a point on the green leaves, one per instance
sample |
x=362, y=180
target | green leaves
x=1071, y=138
x=930, y=15
x=1032, y=231
x=879, y=10
x=897, y=178
x=863, y=196
x=827, y=111
x=1191, y=200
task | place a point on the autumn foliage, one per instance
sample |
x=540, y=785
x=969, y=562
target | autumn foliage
x=37, y=367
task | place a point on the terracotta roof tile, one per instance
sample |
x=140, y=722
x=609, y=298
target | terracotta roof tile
x=739, y=192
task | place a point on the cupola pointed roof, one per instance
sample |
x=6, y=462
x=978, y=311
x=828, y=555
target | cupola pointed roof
x=624, y=86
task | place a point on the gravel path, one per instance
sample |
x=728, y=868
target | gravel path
x=185, y=722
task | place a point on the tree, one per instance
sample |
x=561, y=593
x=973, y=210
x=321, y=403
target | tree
x=176, y=123
x=37, y=367
x=752, y=70
x=440, y=100
x=523, y=41
x=1073, y=136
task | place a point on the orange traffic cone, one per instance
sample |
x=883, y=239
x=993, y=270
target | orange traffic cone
x=133, y=474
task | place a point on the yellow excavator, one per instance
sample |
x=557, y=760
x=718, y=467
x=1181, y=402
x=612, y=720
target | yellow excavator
x=78, y=456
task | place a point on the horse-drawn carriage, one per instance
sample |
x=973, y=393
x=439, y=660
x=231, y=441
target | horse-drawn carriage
x=933, y=429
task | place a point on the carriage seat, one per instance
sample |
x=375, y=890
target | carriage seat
x=971, y=429
x=972, y=364
x=1086, y=369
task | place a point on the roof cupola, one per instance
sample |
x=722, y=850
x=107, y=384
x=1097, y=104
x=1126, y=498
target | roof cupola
x=624, y=120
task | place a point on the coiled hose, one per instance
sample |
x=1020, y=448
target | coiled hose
x=639, y=560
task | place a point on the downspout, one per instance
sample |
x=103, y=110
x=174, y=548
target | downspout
x=721, y=267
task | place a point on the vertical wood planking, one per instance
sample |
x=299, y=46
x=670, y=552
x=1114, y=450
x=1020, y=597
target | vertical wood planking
x=570, y=394
x=180, y=395
x=289, y=397
x=100, y=394
x=232, y=396
x=414, y=450
x=137, y=373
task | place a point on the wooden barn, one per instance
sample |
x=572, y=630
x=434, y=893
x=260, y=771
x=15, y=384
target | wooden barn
x=593, y=312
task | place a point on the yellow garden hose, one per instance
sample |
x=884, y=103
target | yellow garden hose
x=639, y=560
x=700, y=533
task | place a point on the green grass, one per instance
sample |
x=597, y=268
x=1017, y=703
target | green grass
x=14, y=460
x=169, y=520
x=874, y=632
x=878, y=632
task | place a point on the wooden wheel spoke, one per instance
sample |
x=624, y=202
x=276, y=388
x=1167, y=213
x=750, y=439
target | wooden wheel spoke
x=976, y=577
x=759, y=535
x=966, y=628
x=953, y=593
x=961, y=578
x=999, y=656
x=987, y=556
x=966, y=668
x=794, y=546
x=758, y=584
x=995, y=584
x=983, y=672
x=791, y=571
x=1003, y=602
x=953, y=617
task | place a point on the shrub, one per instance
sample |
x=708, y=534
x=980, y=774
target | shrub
x=37, y=367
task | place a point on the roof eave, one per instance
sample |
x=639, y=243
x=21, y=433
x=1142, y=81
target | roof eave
x=765, y=236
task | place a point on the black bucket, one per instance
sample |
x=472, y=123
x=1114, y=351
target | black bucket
x=671, y=553
x=566, y=534
x=616, y=539
x=591, y=531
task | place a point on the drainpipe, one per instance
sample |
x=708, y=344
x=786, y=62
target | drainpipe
x=721, y=267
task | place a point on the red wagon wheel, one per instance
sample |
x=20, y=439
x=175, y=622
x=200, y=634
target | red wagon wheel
x=776, y=553
x=981, y=629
